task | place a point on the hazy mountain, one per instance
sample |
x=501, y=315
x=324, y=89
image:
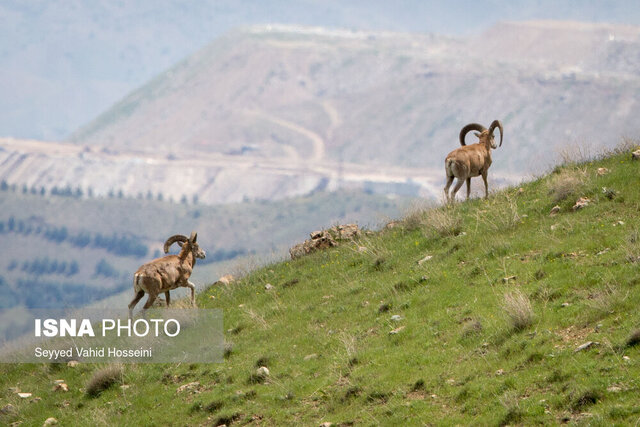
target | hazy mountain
x=310, y=95
x=64, y=62
x=271, y=112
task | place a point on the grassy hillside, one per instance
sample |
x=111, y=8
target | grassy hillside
x=488, y=330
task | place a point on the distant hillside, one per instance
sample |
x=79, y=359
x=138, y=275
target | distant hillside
x=68, y=249
x=65, y=62
x=311, y=95
x=270, y=112
x=489, y=312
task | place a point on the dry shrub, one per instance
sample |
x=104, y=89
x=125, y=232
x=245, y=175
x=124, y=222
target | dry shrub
x=567, y=182
x=414, y=215
x=576, y=153
x=443, y=221
x=104, y=378
x=518, y=309
x=602, y=302
x=500, y=214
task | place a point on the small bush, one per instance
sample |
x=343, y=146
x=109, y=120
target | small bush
x=415, y=216
x=518, y=309
x=443, y=221
x=586, y=399
x=501, y=214
x=634, y=338
x=565, y=183
x=104, y=378
x=471, y=328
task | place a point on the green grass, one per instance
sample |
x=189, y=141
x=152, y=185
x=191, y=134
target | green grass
x=457, y=356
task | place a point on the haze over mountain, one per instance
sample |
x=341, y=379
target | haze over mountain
x=64, y=62
x=269, y=112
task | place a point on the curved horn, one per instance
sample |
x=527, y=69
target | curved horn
x=193, y=237
x=468, y=128
x=171, y=240
x=496, y=124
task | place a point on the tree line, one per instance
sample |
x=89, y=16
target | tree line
x=78, y=193
x=118, y=244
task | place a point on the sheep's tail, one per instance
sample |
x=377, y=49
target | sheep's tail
x=448, y=166
x=137, y=278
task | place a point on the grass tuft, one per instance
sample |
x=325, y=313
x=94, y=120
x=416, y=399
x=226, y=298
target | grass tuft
x=634, y=338
x=518, y=309
x=103, y=379
x=443, y=221
x=567, y=182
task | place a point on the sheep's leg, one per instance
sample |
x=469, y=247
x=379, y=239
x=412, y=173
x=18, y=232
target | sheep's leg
x=486, y=184
x=468, y=187
x=456, y=188
x=193, y=292
x=149, y=303
x=446, y=187
x=167, y=297
x=134, y=301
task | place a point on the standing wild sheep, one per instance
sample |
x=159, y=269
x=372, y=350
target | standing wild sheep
x=167, y=273
x=471, y=160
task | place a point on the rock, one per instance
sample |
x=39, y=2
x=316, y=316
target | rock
x=554, y=210
x=8, y=409
x=500, y=372
x=618, y=223
x=565, y=304
x=396, y=317
x=227, y=279
x=425, y=259
x=323, y=239
x=614, y=389
x=327, y=424
x=345, y=231
x=508, y=279
x=362, y=249
x=268, y=286
x=582, y=202
x=604, y=251
x=586, y=346
x=125, y=386
x=554, y=227
x=60, y=387
x=627, y=358
x=635, y=155
x=391, y=224
x=602, y=171
x=73, y=363
x=50, y=422
x=188, y=387
x=520, y=190
x=311, y=356
x=24, y=395
x=396, y=330
x=58, y=381
x=262, y=371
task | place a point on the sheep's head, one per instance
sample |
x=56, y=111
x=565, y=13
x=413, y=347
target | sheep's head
x=485, y=136
x=191, y=243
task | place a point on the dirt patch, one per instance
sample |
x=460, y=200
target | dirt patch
x=572, y=335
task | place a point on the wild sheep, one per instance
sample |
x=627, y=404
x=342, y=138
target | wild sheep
x=471, y=160
x=167, y=273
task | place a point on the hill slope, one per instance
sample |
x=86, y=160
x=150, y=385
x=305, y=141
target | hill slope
x=388, y=99
x=488, y=330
